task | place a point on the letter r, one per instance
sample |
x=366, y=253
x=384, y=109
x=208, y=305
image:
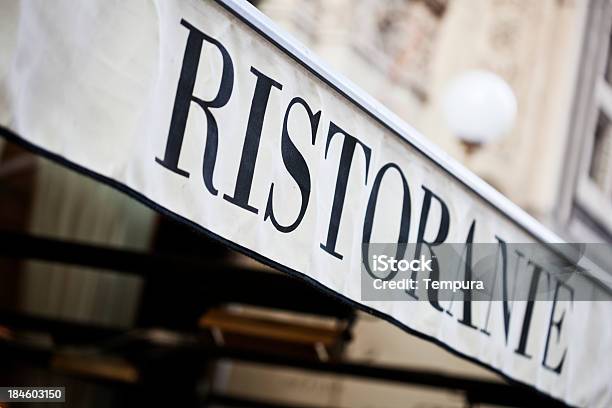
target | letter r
x=182, y=102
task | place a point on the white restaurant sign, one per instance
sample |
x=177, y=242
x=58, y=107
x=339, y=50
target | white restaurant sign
x=202, y=110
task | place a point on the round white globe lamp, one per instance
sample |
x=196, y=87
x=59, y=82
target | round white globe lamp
x=479, y=107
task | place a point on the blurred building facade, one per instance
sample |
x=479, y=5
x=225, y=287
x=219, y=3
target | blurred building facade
x=553, y=53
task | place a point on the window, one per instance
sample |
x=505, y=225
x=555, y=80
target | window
x=601, y=155
x=585, y=206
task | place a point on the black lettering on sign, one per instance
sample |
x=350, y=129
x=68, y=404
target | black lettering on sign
x=402, y=238
x=295, y=165
x=443, y=229
x=557, y=325
x=554, y=352
x=250, y=148
x=533, y=290
x=182, y=102
x=344, y=168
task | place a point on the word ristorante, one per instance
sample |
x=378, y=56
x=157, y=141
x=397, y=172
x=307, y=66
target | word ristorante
x=516, y=326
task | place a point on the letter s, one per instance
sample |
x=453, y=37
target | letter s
x=295, y=165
